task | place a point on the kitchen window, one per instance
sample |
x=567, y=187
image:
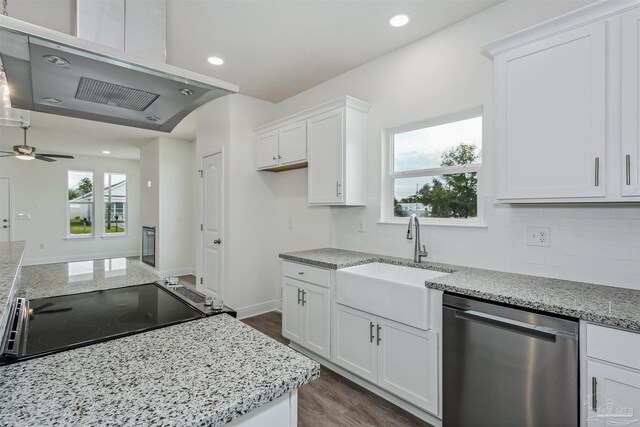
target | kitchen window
x=115, y=204
x=80, y=203
x=434, y=169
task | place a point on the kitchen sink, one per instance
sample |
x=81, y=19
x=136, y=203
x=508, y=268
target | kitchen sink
x=391, y=291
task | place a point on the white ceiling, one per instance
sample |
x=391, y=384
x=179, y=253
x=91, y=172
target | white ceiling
x=272, y=48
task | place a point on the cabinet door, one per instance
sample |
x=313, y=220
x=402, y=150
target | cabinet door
x=550, y=117
x=292, y=319
x=325, y=145
x=630, y=103
x=267, y=149
x=617, y=395
x=316, y=319
x=355, y=342
x=408, y=363
x=292, y=143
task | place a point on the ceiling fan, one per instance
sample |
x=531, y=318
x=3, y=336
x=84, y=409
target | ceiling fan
x=27, y=152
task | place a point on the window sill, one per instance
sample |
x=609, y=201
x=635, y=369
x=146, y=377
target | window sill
x=443, y=223
x=87, y=237
x=114, y=235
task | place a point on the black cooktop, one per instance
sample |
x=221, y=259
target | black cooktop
x=65, y=322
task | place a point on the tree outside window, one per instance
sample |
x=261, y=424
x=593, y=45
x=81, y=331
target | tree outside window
x=435, y=169
x=115, y=202
x=80, y=203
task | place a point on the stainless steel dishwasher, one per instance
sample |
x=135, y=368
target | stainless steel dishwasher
x=508, y=367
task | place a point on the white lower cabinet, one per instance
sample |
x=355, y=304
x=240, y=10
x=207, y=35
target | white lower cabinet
x=615, y=395
x=398, y=358
x=306, y=315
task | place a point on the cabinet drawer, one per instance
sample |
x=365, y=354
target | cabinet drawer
x=315, y=275
x=613, y=345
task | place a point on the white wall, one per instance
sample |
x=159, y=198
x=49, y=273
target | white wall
x=168, y=203
x=40, y=189
x=445, y=73
x=258, y=205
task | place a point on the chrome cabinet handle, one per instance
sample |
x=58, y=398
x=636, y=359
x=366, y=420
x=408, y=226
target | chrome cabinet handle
x=274, y=158
x=597, y=179
x=371, y=336
x=299, y=299
x=304, y=293
x=5, y=226
x=378, y=335
x=5, y=220
x=337, y=188
x=279, y=156
x=301, y=272
x=628, y=168
x=217, y=242
x=594, y=391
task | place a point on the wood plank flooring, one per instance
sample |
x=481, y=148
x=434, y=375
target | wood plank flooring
x=333, y=400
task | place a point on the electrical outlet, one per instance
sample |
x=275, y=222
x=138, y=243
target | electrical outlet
x=290, y=224
x=539, y=236
x=360, y=225
x=41, y=245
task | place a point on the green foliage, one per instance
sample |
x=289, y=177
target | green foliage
x=450, y=196
x=85, y=186
x=397, y=209
x=73, y=194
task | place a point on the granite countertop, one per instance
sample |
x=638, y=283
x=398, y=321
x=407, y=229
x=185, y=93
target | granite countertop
x=205, y=372
x=48, y=280
x=597, y=303
x=10, y=260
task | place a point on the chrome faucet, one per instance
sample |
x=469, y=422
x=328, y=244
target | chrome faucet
x=417, y=252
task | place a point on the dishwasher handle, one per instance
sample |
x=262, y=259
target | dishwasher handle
x=533, y=331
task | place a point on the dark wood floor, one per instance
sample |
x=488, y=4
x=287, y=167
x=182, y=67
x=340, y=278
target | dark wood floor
x=333, y=400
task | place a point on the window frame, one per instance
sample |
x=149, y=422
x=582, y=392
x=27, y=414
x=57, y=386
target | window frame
x=125, y=207
x=68, y=233
x=387, y=215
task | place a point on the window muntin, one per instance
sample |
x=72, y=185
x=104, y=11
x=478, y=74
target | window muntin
x=80, y=203
x=434, y=168
x=115, y=203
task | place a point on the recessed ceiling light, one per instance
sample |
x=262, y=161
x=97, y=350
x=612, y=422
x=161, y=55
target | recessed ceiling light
x=153, y=118
x=186, y=91
x=106, y=152
x=215, y=60
x=57, y=60
x=52, y=100
x=399, y=20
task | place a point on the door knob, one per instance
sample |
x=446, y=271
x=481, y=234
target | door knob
x=217, y=242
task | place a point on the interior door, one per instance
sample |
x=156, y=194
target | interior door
x=630, y=103
x=5, y=212
x=292, y=309
x=355, y=342
x=212, y=224
x=316, y=323
x=325, y=145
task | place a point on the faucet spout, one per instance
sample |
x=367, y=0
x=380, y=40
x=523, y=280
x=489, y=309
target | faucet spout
x=418, y=251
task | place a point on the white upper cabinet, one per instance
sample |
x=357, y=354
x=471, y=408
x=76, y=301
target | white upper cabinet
x=557, y=108
x=331, y=140
x=630, y=72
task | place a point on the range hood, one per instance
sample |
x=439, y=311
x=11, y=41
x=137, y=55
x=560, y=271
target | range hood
x=56, y=73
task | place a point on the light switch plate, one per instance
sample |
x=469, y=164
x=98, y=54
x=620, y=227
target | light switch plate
x=24, y=216
x=360, y=225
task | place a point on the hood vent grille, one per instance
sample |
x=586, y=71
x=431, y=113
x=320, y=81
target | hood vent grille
x=114, y=95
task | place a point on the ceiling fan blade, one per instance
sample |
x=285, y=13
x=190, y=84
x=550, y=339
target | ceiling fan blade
x=57, y=156
x=8, y=152
x=46, y=159
x=8, y=155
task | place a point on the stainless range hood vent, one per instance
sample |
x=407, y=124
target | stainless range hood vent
x=114, y=95
x=94, y=78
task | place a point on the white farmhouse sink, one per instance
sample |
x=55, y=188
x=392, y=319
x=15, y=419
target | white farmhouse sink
x=391, y=291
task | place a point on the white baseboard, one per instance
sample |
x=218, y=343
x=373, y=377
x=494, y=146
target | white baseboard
x=72, y=258
x=176, y=272
x=423, y=415
x=254, y=310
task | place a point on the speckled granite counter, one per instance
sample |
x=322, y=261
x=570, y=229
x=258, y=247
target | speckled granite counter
x=602, y=304
x=10, y=259
x=39, y=281
x=205, y=372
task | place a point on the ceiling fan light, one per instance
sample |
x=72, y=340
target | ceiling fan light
x=24, y=157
